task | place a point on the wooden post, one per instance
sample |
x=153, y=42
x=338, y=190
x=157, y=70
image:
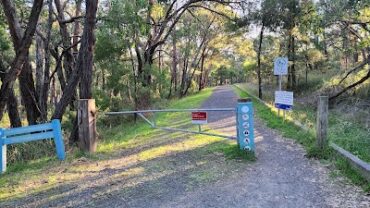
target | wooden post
x=322, y=121
x=87, y=136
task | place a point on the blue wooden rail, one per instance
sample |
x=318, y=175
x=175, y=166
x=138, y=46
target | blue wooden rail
x=31, y=133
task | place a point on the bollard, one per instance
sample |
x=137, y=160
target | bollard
x=87, y=134
x=245, y=127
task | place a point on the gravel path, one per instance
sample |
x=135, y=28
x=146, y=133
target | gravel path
x=281, y=177
x=175, y=170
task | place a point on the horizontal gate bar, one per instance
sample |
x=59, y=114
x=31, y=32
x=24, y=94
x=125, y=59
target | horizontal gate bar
x=170, y=110
x=196, y=132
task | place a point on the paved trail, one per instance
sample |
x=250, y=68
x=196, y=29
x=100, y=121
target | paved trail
x=281, y=177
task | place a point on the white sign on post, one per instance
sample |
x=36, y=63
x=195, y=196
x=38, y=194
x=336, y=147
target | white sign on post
x=281, y=66
x=284, y=98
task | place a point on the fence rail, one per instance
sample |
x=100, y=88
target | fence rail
x=171, y=110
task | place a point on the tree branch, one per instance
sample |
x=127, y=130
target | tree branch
x=72, y=19
x=213, y=11
x=362, y=64
x=363, y=79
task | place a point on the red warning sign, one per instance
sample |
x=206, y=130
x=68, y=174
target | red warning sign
x=199, y=117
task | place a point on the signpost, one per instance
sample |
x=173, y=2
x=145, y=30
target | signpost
x=283, y=99
x=244, y=122
x=281, y=66
x=199, y=118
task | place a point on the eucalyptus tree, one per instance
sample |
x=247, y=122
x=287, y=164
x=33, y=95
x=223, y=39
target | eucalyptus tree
x=354, y=16
x=22, y=42
x=6, y=55
x=268, y=18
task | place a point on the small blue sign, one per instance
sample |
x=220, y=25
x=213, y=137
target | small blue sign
x=244, y=119
x=283, y=106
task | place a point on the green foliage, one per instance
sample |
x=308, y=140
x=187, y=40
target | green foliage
x=230, y=75
x=347, y=170
x=249, y=65
x=4, y=40
x=233, y=152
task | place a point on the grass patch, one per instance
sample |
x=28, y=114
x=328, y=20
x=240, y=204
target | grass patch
x=233, y=152
x=346, y=169
x=353, y=137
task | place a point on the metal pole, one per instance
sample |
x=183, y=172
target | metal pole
x=154, y=120
x=199, y=128
x=170, y=110
x=280, y=78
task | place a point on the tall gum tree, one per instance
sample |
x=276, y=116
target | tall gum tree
x=23, y=43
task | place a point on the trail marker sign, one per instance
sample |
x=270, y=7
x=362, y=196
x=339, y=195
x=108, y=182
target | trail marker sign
x=281, y=66
x=245, y=126
x=199, y=118
x=284, y=100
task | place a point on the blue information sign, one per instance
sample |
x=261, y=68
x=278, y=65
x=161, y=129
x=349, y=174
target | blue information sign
x=245, y=125
x=283, y=106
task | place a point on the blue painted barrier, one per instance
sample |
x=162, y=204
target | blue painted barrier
x=51, y=130
x=245, y=125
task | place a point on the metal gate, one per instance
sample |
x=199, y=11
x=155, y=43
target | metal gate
x=244, y=122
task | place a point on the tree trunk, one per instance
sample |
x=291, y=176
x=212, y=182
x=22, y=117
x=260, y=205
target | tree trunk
x=45, y=89
x=184, y=76
x=66, y=41
x=174, y=60
x=68, y=58
x=325, y=46
x=294, y=76
x=28, y=93
x=53, y=94
x=84, y=63
x=201, y=81
x=59, y=70
x=259, y=62
x=39, y=65
x=77, y=28
x=22, y=50
x=291, y=55
x=12, y=104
